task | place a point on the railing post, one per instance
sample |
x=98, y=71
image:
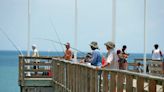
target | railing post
x=152, y=85
x=86, y=75
x=74, y=77
x=21, y=70
x=120, y=80
x=105, y=81
x=129, y=83
x=163, y=86
x=113, y=82
x=140, y=84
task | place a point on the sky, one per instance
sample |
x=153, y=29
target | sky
x=94, y=24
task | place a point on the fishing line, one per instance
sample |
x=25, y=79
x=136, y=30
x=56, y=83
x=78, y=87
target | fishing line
x=13, y=44
x=62, y=44
x=56, y=49
x=53, y=26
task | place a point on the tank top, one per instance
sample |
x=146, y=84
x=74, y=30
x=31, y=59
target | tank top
x=156, y=55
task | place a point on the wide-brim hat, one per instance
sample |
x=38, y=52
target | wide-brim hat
x=94, y=44
x=110, y=44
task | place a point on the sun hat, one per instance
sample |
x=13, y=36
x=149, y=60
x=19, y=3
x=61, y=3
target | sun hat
x=94, y=44
x=110, y=44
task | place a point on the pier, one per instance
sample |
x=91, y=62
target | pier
x=58, y=75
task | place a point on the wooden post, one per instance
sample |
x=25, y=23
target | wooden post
x=21, y=71
x=74, y=78
x=129, y=83
x=86, y=80
x=77, y=77
x=82, y=79
x=96, y=79
x=140, y=84
x=67, y=76
x=113, y=82
x=152, y=85
x=105, y=81
x=163, y=86
x=120, y=80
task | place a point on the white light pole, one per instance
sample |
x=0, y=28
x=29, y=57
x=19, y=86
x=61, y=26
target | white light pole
x=28, y=37
x=145, y=6
x=113, y=20
x=76, y=29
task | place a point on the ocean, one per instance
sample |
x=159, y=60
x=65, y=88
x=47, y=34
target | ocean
x=9, y=68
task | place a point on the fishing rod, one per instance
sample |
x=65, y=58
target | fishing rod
x=13, y=44
x=56, y=49
x=62, y=44
x=54, y=28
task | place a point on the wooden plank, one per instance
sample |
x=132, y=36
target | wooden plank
x=82, y=79
x=140, y=84
x=89, y=80
x=162, y=86
x=38, y=83
x=129, y=83
x=152, y=85
x=21, y=71
x=96, y=79
x=86, y=76
x=67, y=76
x=40, y=63
x=77, y=78
x=37, y=89
x=105, y=81
x=74, y=78
x=71, y=77
x=120, y=80
x=113, y=82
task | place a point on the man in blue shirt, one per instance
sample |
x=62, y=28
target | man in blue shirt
x=96, y=56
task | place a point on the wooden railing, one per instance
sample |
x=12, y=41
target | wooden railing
x=76, y=77
x=154, y=67
x=70, y=76
x=34, y=67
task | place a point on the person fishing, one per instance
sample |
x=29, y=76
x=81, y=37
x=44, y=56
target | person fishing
x=68, y=53
x=35, y=53
x=96, y=56
x=87, y=59
x=156, y=53
x=124, y=57
x=111, y=62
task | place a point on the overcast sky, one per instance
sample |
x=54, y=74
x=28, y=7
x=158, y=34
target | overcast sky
x=94, y=23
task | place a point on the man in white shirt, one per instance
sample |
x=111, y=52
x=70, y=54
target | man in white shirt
x=156, y=53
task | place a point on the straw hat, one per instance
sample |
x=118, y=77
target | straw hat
x=94, y=44
x=110, y=44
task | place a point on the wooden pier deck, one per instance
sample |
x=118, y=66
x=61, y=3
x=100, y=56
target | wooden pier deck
x=58, y=75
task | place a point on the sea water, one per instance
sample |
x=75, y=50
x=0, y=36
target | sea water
x=9, y=68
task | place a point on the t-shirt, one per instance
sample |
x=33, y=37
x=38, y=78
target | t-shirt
x=35, y=53
x=96, y=58
x=111, y=58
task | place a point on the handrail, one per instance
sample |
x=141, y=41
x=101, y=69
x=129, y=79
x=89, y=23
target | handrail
x=70, y=76
x=76, y=77
x=39, y=67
